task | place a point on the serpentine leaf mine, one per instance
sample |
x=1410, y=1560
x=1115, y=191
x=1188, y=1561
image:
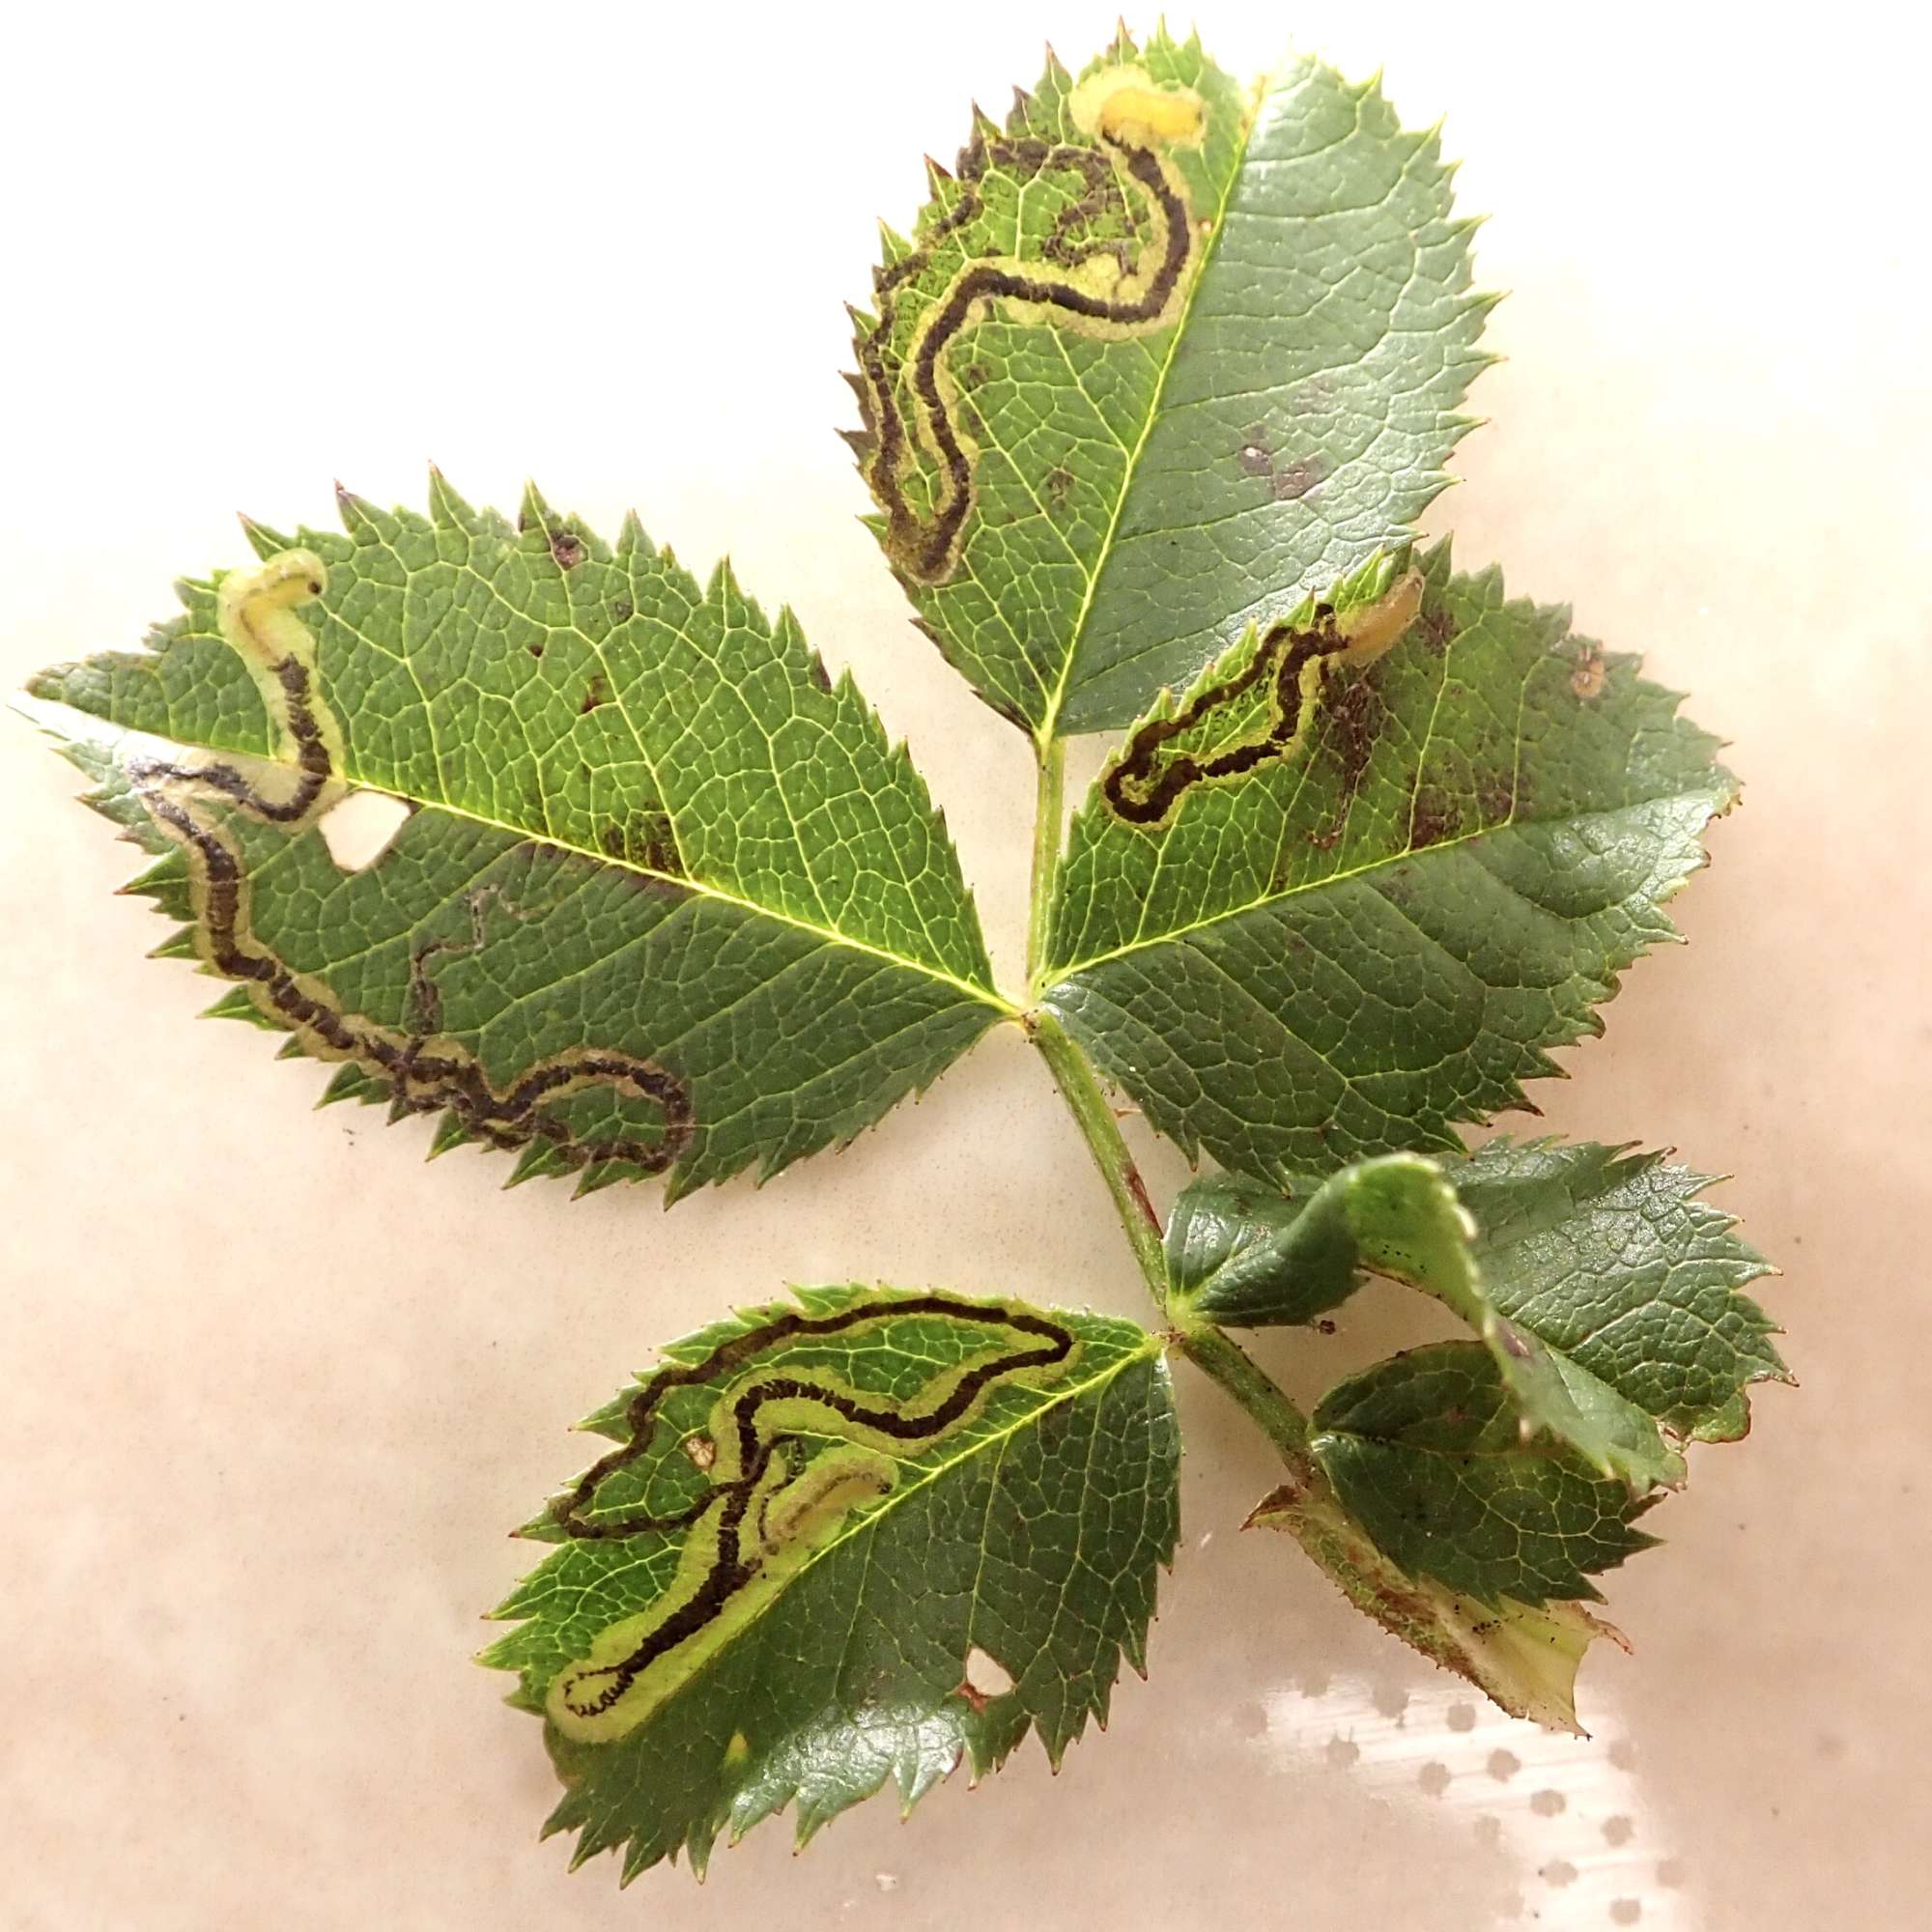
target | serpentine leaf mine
x=838, y=1542
x=665, y=901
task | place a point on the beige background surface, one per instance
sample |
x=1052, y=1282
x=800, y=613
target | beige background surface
x=274, y=1389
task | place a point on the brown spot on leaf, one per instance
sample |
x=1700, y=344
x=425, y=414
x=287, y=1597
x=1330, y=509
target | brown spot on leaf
x=644, y=838
x=566, y=549
x=622, y=609
x=597, y=692
x=1438, y=627
x=1294, y=480
x=1434, y=815
x=1496, y=794
x=1285, y=481
x=534, y=649
x=1589, y=674
x=1058, y=484
x=1355, y=724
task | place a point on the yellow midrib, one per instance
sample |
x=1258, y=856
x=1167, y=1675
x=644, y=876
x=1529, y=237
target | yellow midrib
x=1044, y=735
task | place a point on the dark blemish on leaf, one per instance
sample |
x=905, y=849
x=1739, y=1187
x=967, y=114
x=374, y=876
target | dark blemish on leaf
x=1356, y=718
x=1434, y=815
x=1315, y=397
x=1058, y=484
x=535, y=650
x=1285, y=481
x=644, y=838
x=1294, y=480
x=1438, y=627
x=1590, y=673
x=566, y=549
x=814, y=668
x=973, y=374
x=1495, y=795
x=597, y=692
x=975, y=1701
x=660, y=853
x=622, y=609
x=1325, y=1326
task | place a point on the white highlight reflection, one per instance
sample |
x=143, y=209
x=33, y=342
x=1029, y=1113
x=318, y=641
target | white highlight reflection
x=1569, y=1812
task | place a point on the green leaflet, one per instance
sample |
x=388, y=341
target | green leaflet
x=1375, y=928
x=1158, y=359
x=1611, y=1260
x=1426, y=1451
x=666, y=901
x=842, y=1541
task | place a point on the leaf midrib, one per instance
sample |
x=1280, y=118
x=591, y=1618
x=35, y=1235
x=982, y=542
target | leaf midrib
x=1046, y=733
x=827, y=935
x=1512, y=823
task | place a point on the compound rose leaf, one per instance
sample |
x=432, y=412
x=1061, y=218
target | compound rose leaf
x=1349, y=889
x=1160, y=356
x=844, y=1541
x=663, y=899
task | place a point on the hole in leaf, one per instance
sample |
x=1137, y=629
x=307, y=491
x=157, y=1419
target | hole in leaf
x=985, y=1679
x=359, y=829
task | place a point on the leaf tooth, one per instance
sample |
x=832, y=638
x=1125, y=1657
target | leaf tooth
x=863, y=322
x=262, y=539
x=345, y=1084
x=599, y=1174
x=447, y=510
x=1123, y=48
x=450, y=1132
x=632, y=542
x=533, y=513
x=939, y=179
x=1056, y=67
x=894, y=247
x=983, y=122
x=178, y=944
x=538, y=1157
x=233, y=1005
x=862, y=443
x=361, y=517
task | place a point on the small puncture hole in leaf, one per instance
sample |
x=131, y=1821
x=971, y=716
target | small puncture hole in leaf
x=985, y=1679
x=361, y=827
